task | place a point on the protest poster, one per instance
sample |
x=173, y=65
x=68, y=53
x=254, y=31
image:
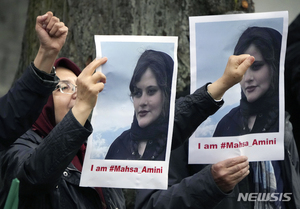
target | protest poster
x=114, y=156
x=230, y=131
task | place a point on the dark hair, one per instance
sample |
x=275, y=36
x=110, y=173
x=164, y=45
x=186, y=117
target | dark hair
x=268, y=41
x=161, y=65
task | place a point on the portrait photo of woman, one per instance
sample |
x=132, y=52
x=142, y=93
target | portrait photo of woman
x=150, y=88
x=258, y=111
x=210, y=35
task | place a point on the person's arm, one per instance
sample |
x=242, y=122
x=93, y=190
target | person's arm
x=39, y=163
x=21, y=106
x=192, y=110
x=39, y=168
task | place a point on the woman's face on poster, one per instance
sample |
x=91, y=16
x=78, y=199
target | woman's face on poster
x=147, y=99
x=257, y=78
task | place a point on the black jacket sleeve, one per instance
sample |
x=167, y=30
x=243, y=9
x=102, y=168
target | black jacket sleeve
x=21, y=106
x=190, y=112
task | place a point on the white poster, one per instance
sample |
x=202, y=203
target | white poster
x=134, y=115
x=251, y=121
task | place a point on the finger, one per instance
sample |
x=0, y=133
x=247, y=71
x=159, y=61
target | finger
x=55, y=28
x=90, y=69
x=238, y=167
x=51, y=23
x=99, y=87
x=61, y=31
x=230, y=162
x=98, y=77
x=40, y=19
x=49, y=16
x=94, y=89
x=239, y=175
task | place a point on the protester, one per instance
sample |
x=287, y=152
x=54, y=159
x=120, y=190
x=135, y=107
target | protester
x=21, y=106
x=48, y=158
x=199, y=186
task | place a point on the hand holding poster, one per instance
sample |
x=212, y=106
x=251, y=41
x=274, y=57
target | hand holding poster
x=251, y=122
x=133, y=118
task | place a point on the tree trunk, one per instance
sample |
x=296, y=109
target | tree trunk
x=123, y=17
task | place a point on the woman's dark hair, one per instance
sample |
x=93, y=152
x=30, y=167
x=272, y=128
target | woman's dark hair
x=268, y=41
x=161, y=65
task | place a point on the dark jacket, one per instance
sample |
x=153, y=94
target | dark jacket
x=47, y=178
x=292, y=77
x=189, y=186
x=21, y=106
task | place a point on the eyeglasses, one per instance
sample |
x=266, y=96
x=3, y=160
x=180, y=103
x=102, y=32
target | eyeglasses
x=66, y=87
